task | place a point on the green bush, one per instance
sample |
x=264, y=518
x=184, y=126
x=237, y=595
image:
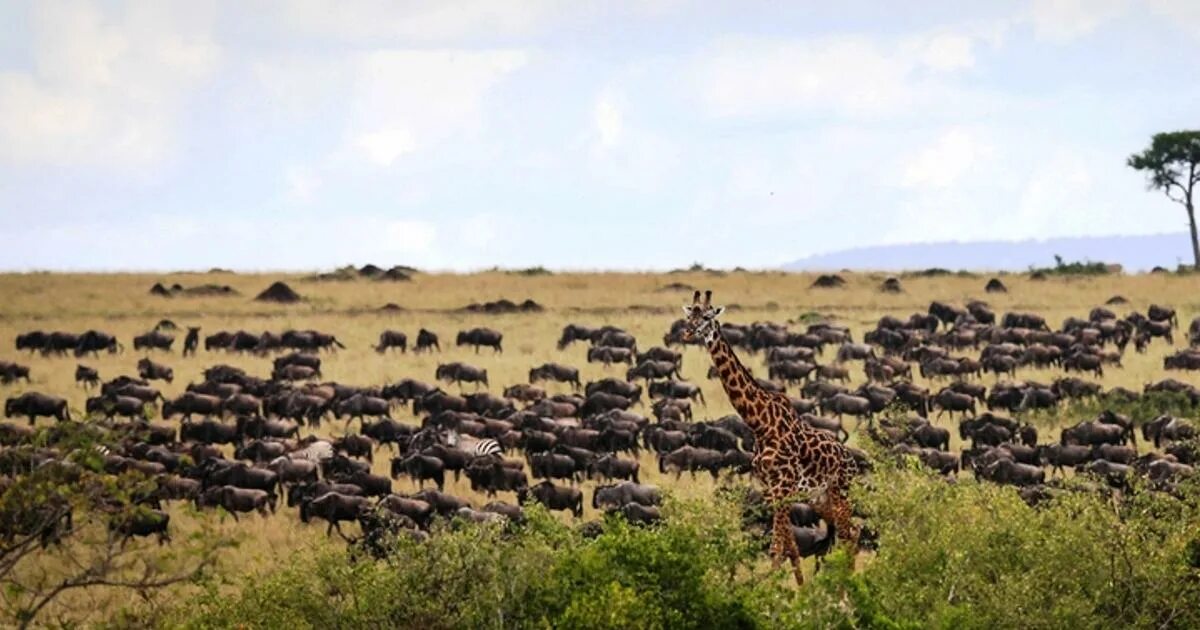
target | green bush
x=967, y=554
x=698, y=570
x=531, y=271
x=1073, y=268
x=951, y=555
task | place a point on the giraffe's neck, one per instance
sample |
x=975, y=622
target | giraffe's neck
x=739, y=384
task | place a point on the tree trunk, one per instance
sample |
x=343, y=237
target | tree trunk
x=1191, y=210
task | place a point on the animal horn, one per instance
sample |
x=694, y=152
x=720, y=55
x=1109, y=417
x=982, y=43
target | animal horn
x=696, y=298
x=707, y=297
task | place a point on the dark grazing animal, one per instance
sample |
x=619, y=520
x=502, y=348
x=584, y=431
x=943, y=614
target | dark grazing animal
x=35, y=404
x=427, y=341
x=236, y=500
x=555, y=372
x=90, y=377
x=392, y=339
x=554, y=497
x=478, y=337
x=191, y=341
x=93, y=341
x=12, y=372
x=151, y=371
x=334, y=508
x=153, y=340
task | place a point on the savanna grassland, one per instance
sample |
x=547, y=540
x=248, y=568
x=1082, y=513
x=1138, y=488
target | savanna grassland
x=925, y=517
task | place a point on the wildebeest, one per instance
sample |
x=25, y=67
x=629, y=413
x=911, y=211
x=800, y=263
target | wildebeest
x=291, y=471
x=360, y=405
x=613, y=467
x=392, y=339
x=554, y=497
x=491, y=476
x=141, y=522
x=609, y=355
x=153, y=340
x=356, y=446
x=309, y=340
x=427, y=341
x=650, y=370
x=90, y=377
x=208, y=431
x=191, y=341
x=35, y=404
x=31, y=341
x=11, y=372
x=615, y=496
x=1092, y=433
x=236, y=500
x=1007, y=471
x=388, y=431
x=676, y=389
x=151, y=371
x=93, y=341
x=555, y=372
x=334, y=508
x=691, y=459
x=1167, y=428
x=295, y=373
x=189, y=403
x=949, y=401
x=420, y=467
x=457, y=372
x=840, y=404
x=478, y=337
x=113, y=405
x=1059, y=456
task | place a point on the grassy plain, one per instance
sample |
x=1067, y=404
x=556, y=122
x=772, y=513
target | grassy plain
x=121, y=304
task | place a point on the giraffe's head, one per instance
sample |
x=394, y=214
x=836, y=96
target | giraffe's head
x=700, y=321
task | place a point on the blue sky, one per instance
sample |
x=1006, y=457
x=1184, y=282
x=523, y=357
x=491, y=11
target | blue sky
x=586, y=135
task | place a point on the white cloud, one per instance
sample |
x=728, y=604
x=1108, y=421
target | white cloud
x=947, y=52
x=104, y=89
x=416, y=21
x=1183, y=13
x=608, y=121
x=848, y=75
x=478, y=232
x=383, y=146
x=1064, y=20
x=301, y=184
x=1056, y=197
x=405, y=100
x=748, y=77
x=410, y=237
x=943, y=163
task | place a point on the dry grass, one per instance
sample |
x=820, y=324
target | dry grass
x=121, y=304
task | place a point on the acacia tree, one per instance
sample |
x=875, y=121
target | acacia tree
x=1172, y=165
x=61, y=515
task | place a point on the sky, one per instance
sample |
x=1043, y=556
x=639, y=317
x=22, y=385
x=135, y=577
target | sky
x=579, y=134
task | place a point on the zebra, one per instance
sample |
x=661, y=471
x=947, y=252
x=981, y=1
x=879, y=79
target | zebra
x=486, y=448
x=317, y=452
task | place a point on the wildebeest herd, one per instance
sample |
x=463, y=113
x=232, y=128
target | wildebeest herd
x=241, y=442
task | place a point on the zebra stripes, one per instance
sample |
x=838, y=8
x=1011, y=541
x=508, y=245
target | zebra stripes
x=485, y=448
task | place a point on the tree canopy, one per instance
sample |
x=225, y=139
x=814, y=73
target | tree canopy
x=1172, y=165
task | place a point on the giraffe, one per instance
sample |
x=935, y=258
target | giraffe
x=791, y=459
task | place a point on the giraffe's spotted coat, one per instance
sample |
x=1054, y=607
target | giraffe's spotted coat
x=792, y=460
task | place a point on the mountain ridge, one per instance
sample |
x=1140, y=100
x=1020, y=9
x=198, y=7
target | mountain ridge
x=1133, y=253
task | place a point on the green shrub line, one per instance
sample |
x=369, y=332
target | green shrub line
x=1073, y=268
x=951, y=555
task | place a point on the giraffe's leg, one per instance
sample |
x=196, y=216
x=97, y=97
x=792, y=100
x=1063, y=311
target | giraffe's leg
x=783, y=544
x=835, y=509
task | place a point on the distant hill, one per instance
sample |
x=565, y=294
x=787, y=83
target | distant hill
x=1134, y=253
